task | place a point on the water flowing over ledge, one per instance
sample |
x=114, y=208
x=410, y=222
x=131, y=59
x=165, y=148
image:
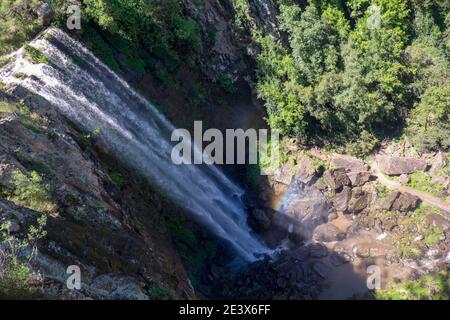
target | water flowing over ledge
x=88, y=93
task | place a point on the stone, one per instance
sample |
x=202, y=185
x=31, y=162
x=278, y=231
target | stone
x=358, y=202
x=259, y=220
x=321, y=269
x=339, y=258
x=361, y=251
x=44, y=11
x=438, y=221
x=305, y=170
x=358, y=179
x=396, y=166
x=440, y=161
x=387, y=203
x=306, y=209
x=284, y=174
x=405, y=202
x=403, y=179
x=349, y=163
x=336, y=178
x=318, y=250
x=14, y=227
x=341, y=199
x=332, y=216
x=328, y=233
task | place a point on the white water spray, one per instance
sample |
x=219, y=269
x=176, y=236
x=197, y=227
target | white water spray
x=88, y=93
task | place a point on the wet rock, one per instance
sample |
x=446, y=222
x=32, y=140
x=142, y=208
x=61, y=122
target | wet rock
x=321, y=269
x=328, y=233
x=307, y=209
x=341, y=199
x=397, y=165
x=259, y=220
x=318, y=250
x=339, y=258
x=336, y=178
x=301, y=253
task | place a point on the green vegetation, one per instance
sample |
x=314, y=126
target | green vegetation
x=159, y=293
x=34, y=55
x=349, y=75
x=119, y=179
x=405, y=237
x=29, y=191
x=16, y=256
x=195, y=249
x=18, y=24
x=423, y=181
x=7, y=108
x=227, y=84
x=433, y=286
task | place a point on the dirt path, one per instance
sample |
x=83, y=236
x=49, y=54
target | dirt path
x=424, y=196
x=393, y=185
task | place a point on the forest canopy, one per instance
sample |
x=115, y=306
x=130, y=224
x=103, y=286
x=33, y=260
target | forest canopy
x=345, y=73
x=353, y=72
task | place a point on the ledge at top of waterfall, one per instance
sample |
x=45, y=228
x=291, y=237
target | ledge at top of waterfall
x=88, y=93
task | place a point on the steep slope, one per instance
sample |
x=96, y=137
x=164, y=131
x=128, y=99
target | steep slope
x=105, y=220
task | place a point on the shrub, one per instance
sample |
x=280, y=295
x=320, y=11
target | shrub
x=30, y=192
x=15, y=258
x=159, y=293
x=119, y=179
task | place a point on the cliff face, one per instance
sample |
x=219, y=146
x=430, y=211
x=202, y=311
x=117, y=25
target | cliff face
x=101, y=218
x=228, y=50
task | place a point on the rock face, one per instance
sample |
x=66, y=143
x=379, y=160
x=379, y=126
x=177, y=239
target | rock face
x=397, y=165
x=115, y=232
x=225, y=49
x=306, y=208
x=341, y=199
x=305, y=170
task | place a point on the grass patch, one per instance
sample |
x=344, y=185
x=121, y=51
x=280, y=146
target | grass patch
x=422, y=181
x=434, y=287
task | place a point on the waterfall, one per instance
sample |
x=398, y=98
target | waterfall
x=88, y=93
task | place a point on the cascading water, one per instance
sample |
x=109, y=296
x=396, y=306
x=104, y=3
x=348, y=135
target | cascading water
x=88, y=93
